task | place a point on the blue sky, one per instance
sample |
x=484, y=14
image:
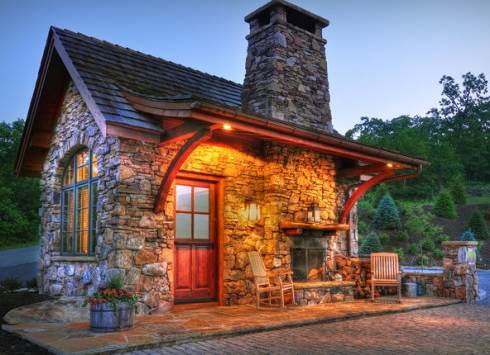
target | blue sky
x=384, y=57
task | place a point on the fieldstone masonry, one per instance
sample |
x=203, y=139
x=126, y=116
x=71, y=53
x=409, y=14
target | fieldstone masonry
x=286, y=69
x=134, y=241
x=460, y=279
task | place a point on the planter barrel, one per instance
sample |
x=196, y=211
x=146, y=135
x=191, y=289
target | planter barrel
x=105, y=317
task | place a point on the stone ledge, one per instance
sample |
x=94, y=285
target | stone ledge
x=322, y=284
x=75, y=258
x=459, y=243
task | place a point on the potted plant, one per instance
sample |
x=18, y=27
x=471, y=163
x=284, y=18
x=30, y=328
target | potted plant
x=112, y=307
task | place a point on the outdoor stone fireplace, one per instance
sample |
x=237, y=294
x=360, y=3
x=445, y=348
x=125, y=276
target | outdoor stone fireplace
x=309, y=256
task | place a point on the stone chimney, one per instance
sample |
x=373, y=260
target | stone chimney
x=286, y=69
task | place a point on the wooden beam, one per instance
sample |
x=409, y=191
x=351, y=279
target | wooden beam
x=183, y=131
x=363, y=170
x=360, y=191
x=41, y=139
x=200, y=136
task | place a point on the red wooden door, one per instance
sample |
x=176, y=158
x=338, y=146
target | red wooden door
x=195, y=247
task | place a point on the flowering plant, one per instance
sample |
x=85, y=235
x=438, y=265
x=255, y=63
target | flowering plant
x=113, y=293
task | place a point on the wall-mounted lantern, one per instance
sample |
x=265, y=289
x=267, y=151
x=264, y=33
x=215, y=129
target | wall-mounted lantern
x=252, y=211
x=314, y=213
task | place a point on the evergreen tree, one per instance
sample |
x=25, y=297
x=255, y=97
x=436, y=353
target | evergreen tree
x=478, y=225
x=370, y=245
x=458, y=191
x=468, y=236
x=444, y=206
x=381, y=191
x=387, y=215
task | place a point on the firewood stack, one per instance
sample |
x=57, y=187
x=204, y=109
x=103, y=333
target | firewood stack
x=357, y=270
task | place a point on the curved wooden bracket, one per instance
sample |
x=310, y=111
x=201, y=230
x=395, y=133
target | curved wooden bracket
x=361, y=190
x=199, y=137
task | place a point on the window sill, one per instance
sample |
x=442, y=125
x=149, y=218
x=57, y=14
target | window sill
x=74, y=258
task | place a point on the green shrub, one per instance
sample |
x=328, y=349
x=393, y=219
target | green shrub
x=413, y=249
x=427, y=244
x=468, y=235
x=370, y=244
x=400, y=252
x=458, y=191
x=478, y=225
x=438, y=253
x=442, y=238
x=387, y=215
x=10, y=284
x=384, y=238
x=115, y=281
x=362, y=227
x=444, y=206
x=403, y=236
x=381, y=191
x=422, y=260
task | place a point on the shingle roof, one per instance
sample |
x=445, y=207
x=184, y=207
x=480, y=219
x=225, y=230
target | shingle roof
x=107, y=70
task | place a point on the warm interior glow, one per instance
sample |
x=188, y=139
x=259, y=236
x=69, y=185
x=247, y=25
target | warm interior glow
x=227, y=127
x=389, y=165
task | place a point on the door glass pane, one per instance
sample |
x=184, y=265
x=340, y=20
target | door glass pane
x=201, y=199
x=183, y=228
x=82, y=165
x=82, y=221
x=183, y=197
x=68, y=218
x=201, y=226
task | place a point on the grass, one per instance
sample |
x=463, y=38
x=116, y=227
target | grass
x=19, y=245
x=478, y=200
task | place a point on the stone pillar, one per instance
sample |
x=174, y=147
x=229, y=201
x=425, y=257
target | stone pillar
x=460, y=277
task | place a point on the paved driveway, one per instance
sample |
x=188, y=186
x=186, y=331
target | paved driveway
x=19, y=263
x=457, y=329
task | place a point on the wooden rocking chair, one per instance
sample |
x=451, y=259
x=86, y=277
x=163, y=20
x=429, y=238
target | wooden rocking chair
x=385, y=271
x=263, y=285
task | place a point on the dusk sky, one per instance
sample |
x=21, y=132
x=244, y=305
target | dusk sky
x=385, y=58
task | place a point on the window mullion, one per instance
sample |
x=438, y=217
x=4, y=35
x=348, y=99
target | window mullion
x=75, y=208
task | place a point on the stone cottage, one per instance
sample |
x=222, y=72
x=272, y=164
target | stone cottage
x=169, y=176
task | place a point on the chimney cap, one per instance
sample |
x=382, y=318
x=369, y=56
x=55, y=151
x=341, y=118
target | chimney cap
x=320, y=20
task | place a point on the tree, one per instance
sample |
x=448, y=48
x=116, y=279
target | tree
x=19, y=197
x=444, y=206
x=478, y=225
x=458, y=191
x=468, y=236
x=387, y=215
x=370, y=245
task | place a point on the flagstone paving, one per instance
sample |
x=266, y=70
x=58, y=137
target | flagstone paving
x=459, y=329
x=187, y=325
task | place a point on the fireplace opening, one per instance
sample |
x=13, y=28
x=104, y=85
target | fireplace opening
x=309, y=258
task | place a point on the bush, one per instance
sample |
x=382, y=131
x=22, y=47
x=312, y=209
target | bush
x=444, y=206
x=10, y=284
x=427, y=244
x=400, y=252
x=381, y=191
x=422, y=260
x=478, y=225
x=371, y=244
x=468, y=235
x=115, y=281
x=403, y=236
x=384, y=238
x=31, y=283
x=438, y=253
x=387, y=215
x=458, y=191
x=413, y=249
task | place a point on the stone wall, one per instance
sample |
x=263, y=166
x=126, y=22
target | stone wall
x=137, y=243
x=75, y=129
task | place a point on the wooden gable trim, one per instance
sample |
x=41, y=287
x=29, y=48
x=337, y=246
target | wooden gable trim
x=79, y=84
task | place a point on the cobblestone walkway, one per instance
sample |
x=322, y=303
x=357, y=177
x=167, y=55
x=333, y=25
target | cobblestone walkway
x=456, y=329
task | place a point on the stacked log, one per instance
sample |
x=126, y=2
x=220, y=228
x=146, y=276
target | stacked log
x=357, y=270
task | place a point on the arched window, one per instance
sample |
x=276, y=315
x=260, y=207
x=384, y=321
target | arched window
x=79, y=198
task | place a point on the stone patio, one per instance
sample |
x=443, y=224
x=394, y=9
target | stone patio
x=186, y=323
